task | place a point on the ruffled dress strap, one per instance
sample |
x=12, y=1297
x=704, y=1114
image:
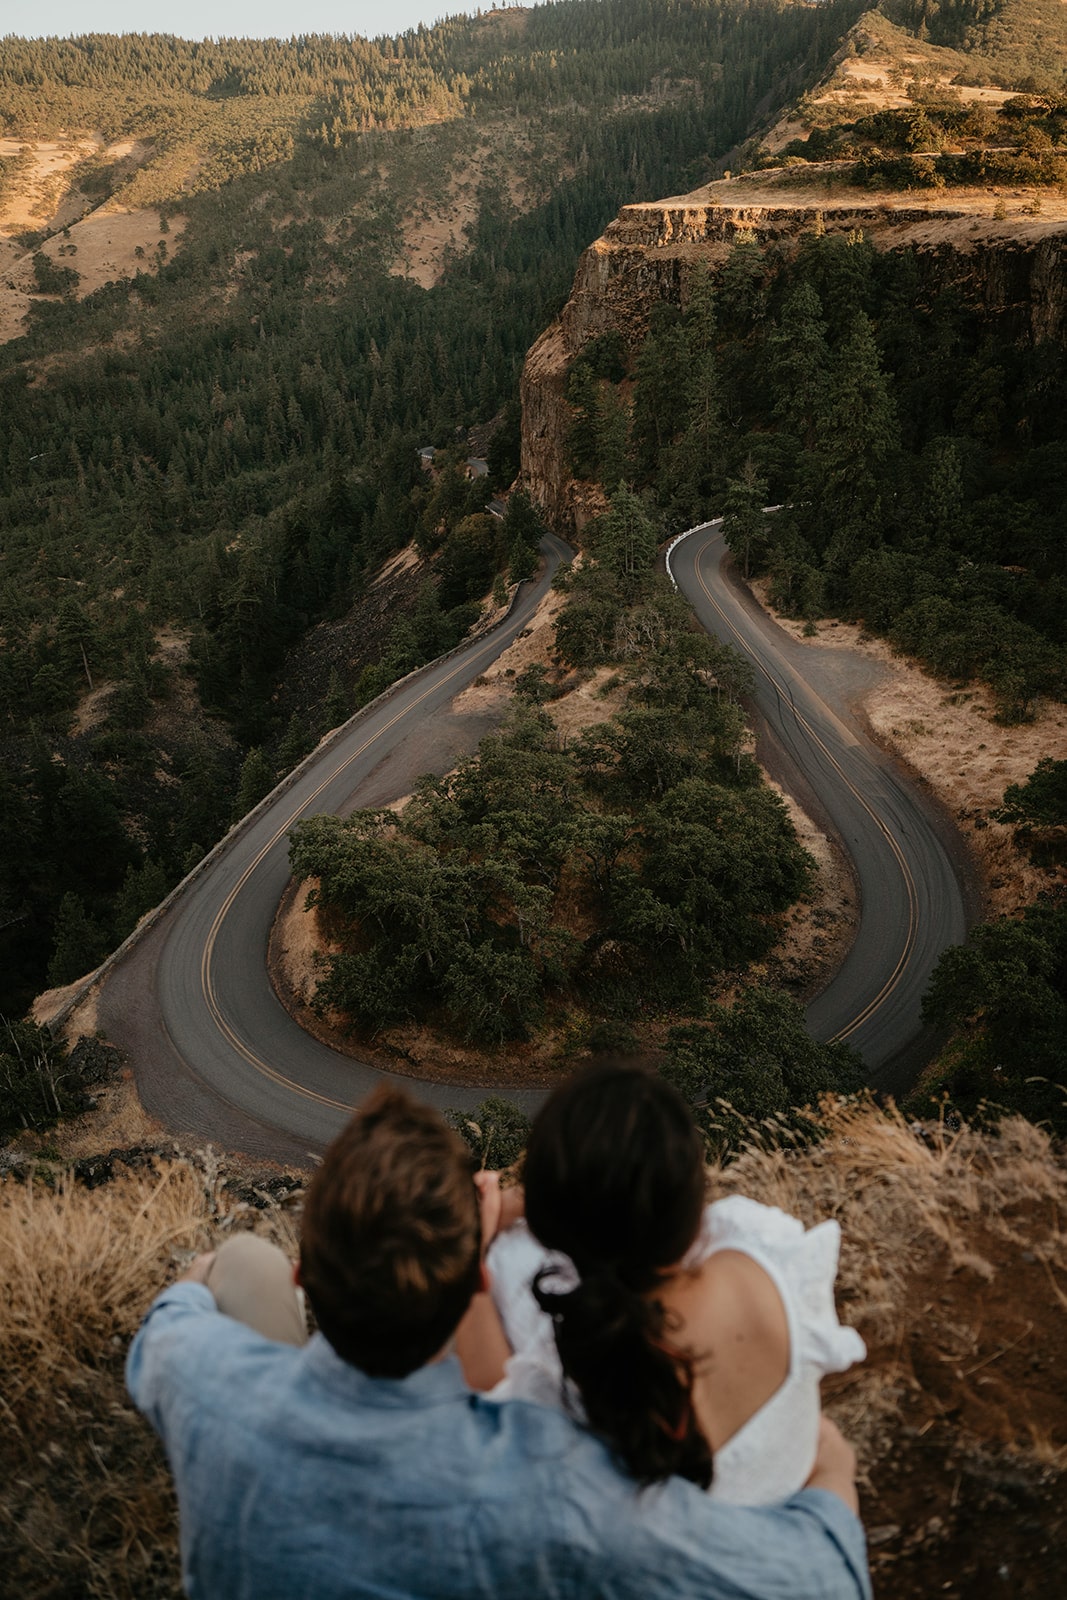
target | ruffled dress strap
x=801, y=1262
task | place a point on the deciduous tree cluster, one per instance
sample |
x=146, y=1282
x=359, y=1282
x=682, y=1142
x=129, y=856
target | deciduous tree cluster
x=622, y=869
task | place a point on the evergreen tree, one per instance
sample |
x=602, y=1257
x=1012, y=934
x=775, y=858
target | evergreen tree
x=694, y=464
x=338, y=704
x=744, y=522
x=626, y=542
x=800, y=364
x=758, y=1061
x=78, y=945
x=659, y=397
x=294, y=746
x=256, y=780
x=843, y=505
x=612, y=437
x=142, y=890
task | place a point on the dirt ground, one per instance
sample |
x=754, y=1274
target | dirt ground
x=100, y=242
x=428, y=240
x=118, y=1121
x=965, y=1496
x=950, y=735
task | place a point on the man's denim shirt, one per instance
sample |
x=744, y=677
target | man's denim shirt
x=300, y=1478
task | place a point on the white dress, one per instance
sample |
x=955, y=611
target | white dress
x=772, y=1455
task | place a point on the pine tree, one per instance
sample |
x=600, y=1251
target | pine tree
x=294, y=745
x=337, y=707
x=257, y=779
x=78, y=942
x=744, y=522
x=142, y=889
x=800, y=364
x=843, y=504
x=626, y=542
x=659, y=400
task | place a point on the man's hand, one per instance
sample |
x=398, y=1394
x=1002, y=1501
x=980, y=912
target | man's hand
x=198, y=1269
x=835, y=1465
x=499, y=1207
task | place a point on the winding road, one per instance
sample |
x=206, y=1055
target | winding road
x=912, y=902
x=216, y=1054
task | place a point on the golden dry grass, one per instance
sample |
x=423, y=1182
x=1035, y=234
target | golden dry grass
x=920, y=1207
x=86, y=1507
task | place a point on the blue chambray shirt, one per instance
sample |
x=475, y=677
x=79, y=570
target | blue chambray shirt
x=300, y=1478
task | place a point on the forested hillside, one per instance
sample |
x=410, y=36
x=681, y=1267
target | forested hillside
x=914, y=446
x=202, y=459
x=914, y=449
x=207, y=456
x=865, y=332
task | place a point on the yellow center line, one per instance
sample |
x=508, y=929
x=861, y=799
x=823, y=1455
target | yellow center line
x=207, y=983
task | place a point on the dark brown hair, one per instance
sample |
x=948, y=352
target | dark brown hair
x=615, y=1179
x=390, y=1240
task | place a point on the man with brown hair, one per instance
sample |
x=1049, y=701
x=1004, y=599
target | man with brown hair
x=359, y=1463
x=390, y=1244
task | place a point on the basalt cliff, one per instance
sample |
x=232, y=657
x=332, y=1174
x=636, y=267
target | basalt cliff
x=1003, y=252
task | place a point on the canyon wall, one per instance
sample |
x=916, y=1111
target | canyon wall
x=1004, y=258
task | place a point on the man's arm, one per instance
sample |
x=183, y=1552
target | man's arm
x=675, y=1542
x=162, y=1341
x=481, y=1342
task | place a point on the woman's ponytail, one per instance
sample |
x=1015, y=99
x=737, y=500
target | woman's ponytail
x=635, y=1391
x=614, y=1178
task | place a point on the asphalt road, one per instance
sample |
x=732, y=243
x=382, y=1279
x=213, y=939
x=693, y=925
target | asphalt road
x=217, y=1056
x=215, y=1053
x=912, y=900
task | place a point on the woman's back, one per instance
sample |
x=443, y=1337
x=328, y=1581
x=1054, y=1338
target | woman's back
x=753, y=1304
x=728, y=1317
x=683, y=1332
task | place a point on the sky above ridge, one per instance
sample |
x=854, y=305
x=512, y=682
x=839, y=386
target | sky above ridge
x=201, y=19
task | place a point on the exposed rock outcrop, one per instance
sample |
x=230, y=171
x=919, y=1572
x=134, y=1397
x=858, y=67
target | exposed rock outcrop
x=999, y=249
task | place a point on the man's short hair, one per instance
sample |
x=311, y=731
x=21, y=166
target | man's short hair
x=390, y=1244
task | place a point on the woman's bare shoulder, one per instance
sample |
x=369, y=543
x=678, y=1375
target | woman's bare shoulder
x=729, y=1317
x=728, y=1289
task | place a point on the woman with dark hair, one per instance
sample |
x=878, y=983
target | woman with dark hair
x=691, y=1337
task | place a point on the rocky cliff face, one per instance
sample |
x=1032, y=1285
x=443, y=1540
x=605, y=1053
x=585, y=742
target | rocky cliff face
x=1005, y=258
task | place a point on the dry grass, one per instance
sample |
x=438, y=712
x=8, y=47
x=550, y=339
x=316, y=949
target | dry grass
x=953, y=1267
x=887, y=1183
x=106, y=237
x=86, y=1507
